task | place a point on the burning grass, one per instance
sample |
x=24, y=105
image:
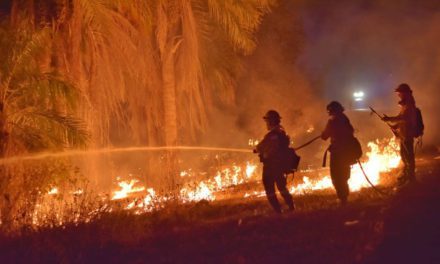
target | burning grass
x=223, y=230
x=80, y=204
x=246, y=230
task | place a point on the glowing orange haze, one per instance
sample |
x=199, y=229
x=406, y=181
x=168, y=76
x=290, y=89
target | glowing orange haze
x=381, y=157
x=379, y=160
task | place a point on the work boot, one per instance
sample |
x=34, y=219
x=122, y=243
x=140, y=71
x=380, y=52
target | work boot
x=412, y=178
x=402, y=181
x=402, y=177
x=343, y=201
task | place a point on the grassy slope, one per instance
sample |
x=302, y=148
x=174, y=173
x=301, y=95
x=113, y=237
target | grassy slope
x=403, y=227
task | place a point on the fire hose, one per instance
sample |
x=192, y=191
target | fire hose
x=390, y=126
x=418, y=144
x=307, y=143
x=382, y=118
x=369, y=182
x=358, y=161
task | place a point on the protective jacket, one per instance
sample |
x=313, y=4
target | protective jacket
x=339, y=130
x=406, y=120
x=272, y=148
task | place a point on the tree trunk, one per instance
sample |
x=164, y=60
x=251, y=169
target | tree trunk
x=5, y=202
x=170, y=116
x=168, y=43
x=75, y=48
x=169, y=99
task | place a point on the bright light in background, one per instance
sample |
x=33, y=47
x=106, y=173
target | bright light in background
x=359, y=96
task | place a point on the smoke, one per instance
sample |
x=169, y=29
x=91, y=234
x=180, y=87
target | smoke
x=271, y=79
x=311, y=52
x=374, y=46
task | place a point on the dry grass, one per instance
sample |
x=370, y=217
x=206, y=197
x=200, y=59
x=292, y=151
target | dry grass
x=370, y=228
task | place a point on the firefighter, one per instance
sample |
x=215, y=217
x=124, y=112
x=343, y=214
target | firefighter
x=405, y=127
x=271, y=150
x=339, y=130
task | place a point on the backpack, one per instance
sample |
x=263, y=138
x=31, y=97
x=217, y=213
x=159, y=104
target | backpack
x=420, y=127
x=354, y=150
x=291, y=160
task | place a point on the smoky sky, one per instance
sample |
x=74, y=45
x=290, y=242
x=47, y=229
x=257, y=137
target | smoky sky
x=374, y=46
x=311, y=52
x=4, y=7
x=367, y=44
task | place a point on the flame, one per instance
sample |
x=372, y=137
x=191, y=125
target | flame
x=382, y=156
x=253, y=142
x=225, y=178
x=53, y=191
x=185, y=173
x=146, y=204
x=250, y=169
x=201, y=192
x=78, y=192
x=309, y=185
x=380, y=159
x=126, y=189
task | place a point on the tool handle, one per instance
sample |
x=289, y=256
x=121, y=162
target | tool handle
x=307, y=143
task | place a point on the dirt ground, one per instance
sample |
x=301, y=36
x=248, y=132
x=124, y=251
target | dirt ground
x=402, y=227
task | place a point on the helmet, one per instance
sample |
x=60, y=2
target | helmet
x=403, y=88
x=272, y=115
x=334, y=107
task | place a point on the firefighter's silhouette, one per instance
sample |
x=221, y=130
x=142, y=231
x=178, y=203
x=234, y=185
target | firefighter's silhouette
x=340, y=131
x=271, y=150
x=405, y=125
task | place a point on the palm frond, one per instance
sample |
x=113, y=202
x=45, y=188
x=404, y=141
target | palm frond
x=121, y=65
x=239, y=19
x=48, y=128
x=43, y=88
x=26, y=49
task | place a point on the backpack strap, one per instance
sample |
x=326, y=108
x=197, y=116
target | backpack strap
x=324, y=159
x=419, y=144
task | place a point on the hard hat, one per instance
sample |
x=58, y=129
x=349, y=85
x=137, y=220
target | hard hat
x=334, y=107
x=403, y=88
x=272, y=115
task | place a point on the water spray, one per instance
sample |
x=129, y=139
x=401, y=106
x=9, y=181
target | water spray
x=72, y=153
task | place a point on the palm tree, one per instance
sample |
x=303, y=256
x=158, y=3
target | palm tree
x=199, y=44
x=37, y=110
x=150, y=68
x=38, y=103
x=165, y=59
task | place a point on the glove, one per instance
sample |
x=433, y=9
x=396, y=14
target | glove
x=386, y=118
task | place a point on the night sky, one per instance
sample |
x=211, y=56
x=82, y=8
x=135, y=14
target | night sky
x=370, y=45
x=311, y=52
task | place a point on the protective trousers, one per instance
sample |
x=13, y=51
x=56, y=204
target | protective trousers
x=274, y=175
x=408, y=159
x=340, y=173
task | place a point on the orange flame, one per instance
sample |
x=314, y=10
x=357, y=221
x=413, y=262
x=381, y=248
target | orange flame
x=381, y=157
x=126, y=189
